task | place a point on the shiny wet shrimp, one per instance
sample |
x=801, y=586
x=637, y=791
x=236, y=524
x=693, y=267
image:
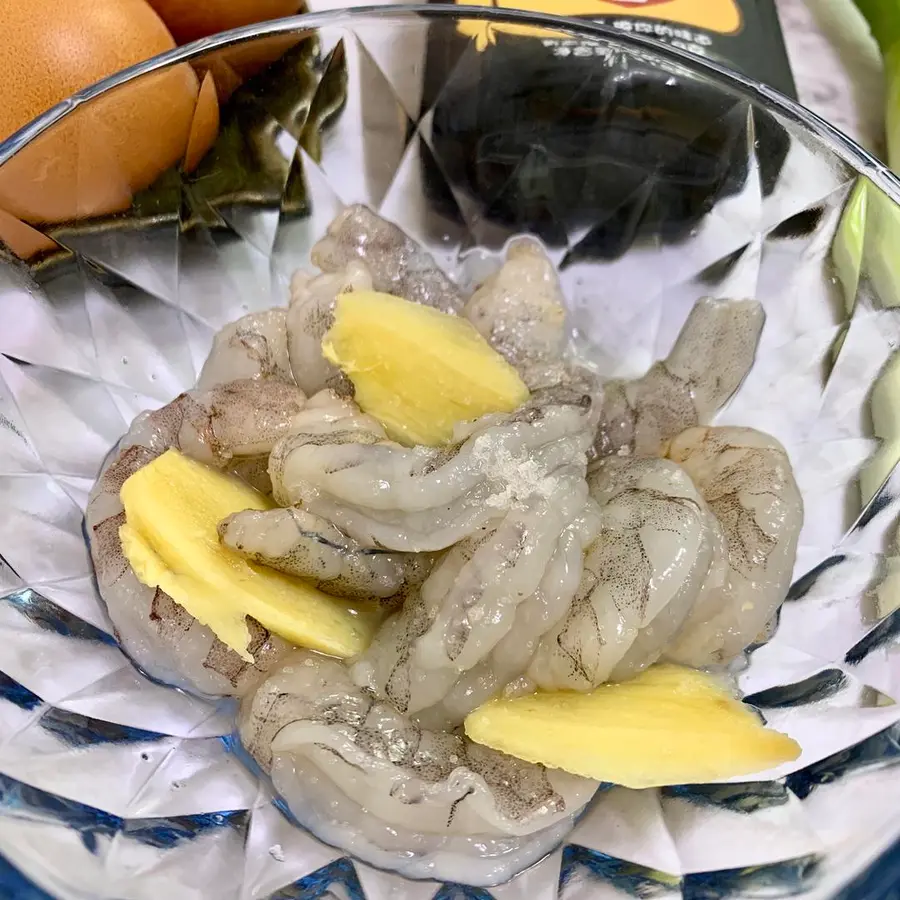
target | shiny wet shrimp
x=227, y=427
x=569, y=540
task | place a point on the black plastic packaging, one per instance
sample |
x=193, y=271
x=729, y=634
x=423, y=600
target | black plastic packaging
x=566, y=136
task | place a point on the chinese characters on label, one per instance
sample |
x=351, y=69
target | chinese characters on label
x=688, y=39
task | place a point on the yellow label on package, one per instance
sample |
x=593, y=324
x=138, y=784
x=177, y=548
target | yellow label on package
x=721, y=16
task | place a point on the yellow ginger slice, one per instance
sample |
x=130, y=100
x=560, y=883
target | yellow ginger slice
x=669, y=725
x=416, y=370
x=172, y=508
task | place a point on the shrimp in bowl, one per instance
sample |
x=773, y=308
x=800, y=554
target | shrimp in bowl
x=392, y=514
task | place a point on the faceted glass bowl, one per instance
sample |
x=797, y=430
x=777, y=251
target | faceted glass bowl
x=114, y=787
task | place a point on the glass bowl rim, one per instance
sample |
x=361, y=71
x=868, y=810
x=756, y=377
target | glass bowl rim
x=874, y=879
x=844, y=147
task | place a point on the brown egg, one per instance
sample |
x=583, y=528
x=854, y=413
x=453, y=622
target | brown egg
x=205, y=126
x=192, y=19
x=92, y=161
x=23, y=240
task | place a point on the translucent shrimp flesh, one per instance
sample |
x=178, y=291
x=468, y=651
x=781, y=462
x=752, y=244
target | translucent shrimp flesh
x=361, y=776
x=502, y=669
x=441, y=642
x=746, y=478
x=310, y=315
x=426, y=499
x=254, y=346
x=657, y=545
x=223, y=427
x=710, y=359
x=327, y=413
x=398, y=265
x=521, y=311
x=299, y=543
x=575, y=540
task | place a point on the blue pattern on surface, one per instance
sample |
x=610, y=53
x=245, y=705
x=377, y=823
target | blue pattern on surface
x=52, y=617
x=785, y=879
x=628, y=877
x=881, y=881
x=882, y=749
x=461, y=892
x=16, y=886
x=232, y=744
x=16, y=693
x=83, y=731
x=16, y=797
x=167, y=833
x=281, y=805
x=880, y=502
x=88, y=821
x=748, y=797
x=818, y=687
x=72, y=728
x=804, y=584
x=316, y=884
x=884, y=633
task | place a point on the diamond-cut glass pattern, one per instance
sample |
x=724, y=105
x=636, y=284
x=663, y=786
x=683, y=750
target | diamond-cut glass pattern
x=115, y=787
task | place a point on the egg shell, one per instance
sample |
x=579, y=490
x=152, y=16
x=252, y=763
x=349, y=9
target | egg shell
x=92, y=161
x=189, y=20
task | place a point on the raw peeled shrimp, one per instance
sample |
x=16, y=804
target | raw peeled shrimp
x=658, y=544
x=398, y=265
x=326, y=414
x=710, y=359
x=426, y=499
x=221, y=427
x=504, y=495
x=310, y=315
x=501, y=670
x=248, y=417
x=304, y=545
x=255, y=346
x=361, y=776
x=520, y=311
x=745, y=476
x=469, y=604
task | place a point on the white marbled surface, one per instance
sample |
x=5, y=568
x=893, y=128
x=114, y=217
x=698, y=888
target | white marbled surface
x=837, y=65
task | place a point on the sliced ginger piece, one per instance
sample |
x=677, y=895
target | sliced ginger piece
x=418, y=371
x=173, y=506
x=669, y=725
